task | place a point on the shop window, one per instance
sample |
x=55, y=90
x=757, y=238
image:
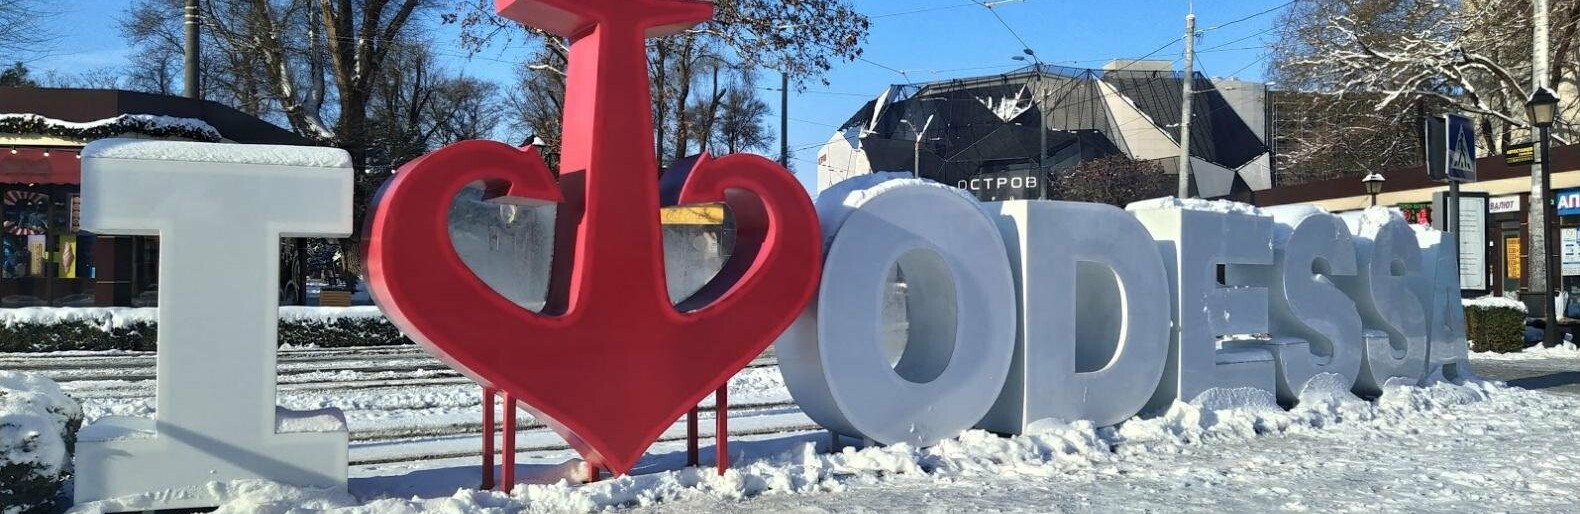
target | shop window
x=24, y=245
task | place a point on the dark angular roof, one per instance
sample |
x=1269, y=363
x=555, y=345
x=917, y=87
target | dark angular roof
x=990, y=124
x=1218, y=134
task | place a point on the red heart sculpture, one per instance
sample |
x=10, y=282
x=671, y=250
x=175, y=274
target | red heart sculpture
x=610, y=363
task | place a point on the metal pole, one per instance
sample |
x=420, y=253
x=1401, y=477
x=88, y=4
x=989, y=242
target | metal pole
x=1042, y=134
x=1453, y=209
x=784, y=119
x=507, y=460
x=1185, y=105
x=691, y=437
x=916, y=157
x=488, y=437
x=721, y=427
x=193, y=20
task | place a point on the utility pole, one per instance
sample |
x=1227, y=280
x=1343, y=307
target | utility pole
x=1543, y=279
x=1185, y=106
x=1043, y=176
x=784, y=119
x=194, y=20
x=916, y=156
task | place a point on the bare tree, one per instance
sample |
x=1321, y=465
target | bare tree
x=1115, y=180
x=803, y=39
x=538, y=100
x=316, y=66
x=1323, y=136
x=20, y=31
x=1470, y=56
x=741, y=123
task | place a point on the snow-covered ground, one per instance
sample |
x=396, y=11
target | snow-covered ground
x=415, y=441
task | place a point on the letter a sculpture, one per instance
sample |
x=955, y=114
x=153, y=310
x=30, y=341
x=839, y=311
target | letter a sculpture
x=611, y=362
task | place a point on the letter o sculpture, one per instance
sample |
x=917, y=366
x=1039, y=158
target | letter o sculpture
x=962, y=319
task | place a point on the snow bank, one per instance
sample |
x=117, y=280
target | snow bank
x=1050, y=448
x=1495, y=302
x=107, y=318
x=134, y=122
x=1196, y=204
x=1567, y=350
x=328, y=314
x=38, y=424
x=276, y=155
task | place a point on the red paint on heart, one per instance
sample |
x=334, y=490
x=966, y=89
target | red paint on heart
x=610, y=364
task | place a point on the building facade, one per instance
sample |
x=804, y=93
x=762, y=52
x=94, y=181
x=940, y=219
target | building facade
x=45, y=257
x=1008, y=136
x=1494, y=214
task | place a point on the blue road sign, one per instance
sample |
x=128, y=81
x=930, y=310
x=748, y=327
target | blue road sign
x=1461, y=148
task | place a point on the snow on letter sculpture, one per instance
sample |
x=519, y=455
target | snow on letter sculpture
x=1438, y=288
x=611, y=362
x=960, y=338
x=1314, y=327
x=1388, y=255
x=1195, y=240
x=219, y=211
x=1094, y=332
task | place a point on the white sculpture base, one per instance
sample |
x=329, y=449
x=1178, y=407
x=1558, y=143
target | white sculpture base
x=130, y=460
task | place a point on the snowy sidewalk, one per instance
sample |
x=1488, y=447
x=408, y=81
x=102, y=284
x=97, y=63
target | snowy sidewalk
x=1554, y=370
x=1436, y=449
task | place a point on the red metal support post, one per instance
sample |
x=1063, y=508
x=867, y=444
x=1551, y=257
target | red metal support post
x=691, y=437
x=722, y=429
x=488, y=437
x=508, y=460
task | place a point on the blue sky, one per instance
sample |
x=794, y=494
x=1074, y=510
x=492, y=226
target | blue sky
x=926, y=39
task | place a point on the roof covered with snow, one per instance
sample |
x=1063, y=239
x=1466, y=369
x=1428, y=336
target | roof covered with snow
x=93, y=105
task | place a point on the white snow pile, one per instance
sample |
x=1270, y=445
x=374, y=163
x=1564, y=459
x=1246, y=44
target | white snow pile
x=38, y=424
x=273, y=155
x=1495, y=302
x=150, y=121
x=1050, y=448
x=1196, y=204
x=108, y=318
x=105, y=318
x=1566, y=350
x=1377, y=216
x=326, y=315
x=837, y=202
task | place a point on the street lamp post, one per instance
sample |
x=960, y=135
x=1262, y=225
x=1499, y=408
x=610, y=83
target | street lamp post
x=1542, y=109
x=1374, y=185
x=916, y=155
x=1042, y=117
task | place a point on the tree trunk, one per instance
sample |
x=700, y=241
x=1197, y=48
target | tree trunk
x=660, y=99
x=682, y=115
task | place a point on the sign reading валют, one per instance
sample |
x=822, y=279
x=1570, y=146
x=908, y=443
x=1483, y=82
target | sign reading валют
x=1502, y=204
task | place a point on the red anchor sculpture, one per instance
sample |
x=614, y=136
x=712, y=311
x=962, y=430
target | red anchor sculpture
x=611, y=362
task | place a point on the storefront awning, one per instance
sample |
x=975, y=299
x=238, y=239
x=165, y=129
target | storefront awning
x=39, y=166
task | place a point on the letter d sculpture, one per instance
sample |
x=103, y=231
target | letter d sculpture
x=611, y=362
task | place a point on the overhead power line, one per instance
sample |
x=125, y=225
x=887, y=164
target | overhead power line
x=1251, y=16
